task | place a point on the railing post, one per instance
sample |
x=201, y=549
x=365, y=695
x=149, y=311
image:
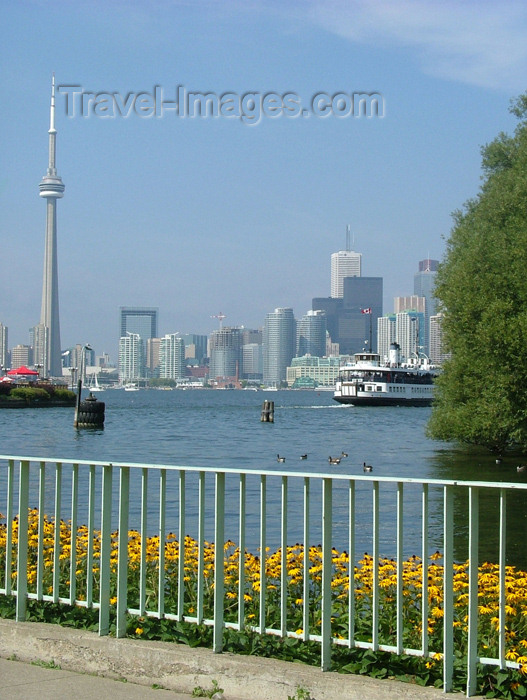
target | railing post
x=161, y=550
x=56, y=534
x=502, y=575
x=73, y=532
x=241, y=549
x=375, y=569
x=90, y=543
x=122, y=552
x=400, y=568
x=201, y=547
x=327, y=570
x=473, y=544
x=41, y=521
x=21, y=564
x=448, y=594
x=9, y=527
x=144, y=535
x=351, y=564
x=306, y=564
x=263, y=554
x=181, y=546
x=424, y=572
x=219, y=559
x=283, y=561
x=106, y=545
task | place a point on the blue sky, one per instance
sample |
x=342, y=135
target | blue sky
x=197, y=216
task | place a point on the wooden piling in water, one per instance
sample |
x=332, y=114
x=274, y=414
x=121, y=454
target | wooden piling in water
x=267, y=412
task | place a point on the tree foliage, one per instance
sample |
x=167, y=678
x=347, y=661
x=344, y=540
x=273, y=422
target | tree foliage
x=482, y=290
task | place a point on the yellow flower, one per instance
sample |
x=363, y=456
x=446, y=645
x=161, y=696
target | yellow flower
x=139, y=630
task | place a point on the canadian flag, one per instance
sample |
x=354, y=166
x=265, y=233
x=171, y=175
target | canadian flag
x=366, y=311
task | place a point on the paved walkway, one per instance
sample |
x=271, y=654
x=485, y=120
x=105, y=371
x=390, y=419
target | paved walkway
x=42, y=661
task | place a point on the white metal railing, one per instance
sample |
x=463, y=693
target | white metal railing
x=101, y=501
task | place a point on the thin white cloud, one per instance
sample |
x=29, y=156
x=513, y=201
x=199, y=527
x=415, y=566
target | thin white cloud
x=480, y=42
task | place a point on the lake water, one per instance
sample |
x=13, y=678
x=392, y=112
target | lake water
x=207, y=428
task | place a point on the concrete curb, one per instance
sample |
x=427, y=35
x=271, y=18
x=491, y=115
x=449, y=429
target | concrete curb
x=180, y=668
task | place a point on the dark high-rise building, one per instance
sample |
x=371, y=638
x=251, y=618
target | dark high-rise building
x=424, y=283
x=352, y=320
x=195, y=347
x=137, y=325
x=138, y=319
x=311, y=334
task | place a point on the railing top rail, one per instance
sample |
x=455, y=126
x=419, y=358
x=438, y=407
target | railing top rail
x=274, y=473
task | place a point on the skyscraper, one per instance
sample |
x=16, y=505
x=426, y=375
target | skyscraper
x=279, y=344
x=311, y=334
x=409, y=332
x=138, y=319
x=345, y=263
x=52, y=188
x=226, y=353
x=361, y=307
x=437, y=349
x=131, y=357
x=385, y=335
x=424, y=282
x=4, y=353
x=172, y=357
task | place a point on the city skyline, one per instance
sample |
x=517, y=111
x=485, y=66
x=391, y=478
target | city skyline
x=194, y=215
x=357, y=310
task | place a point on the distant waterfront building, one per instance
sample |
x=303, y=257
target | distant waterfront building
x=409, y=303
x=252, y=335
x=51, y=188
x=252, y=361
x=141, y=320
x=347, y=322
x=345, y=263
x=409, y=329
x=4, y=352
x=361, y=307
x=77, y=354
x=39, y=340
x=195, y=347
x=21, y=355
x=322, y=371
x=131, y=357
x=152, y=356
x=103, y=361
x=311, y=334
x=225, y=353
x=424, y=283
x=385, y=335
x=437, y=350
x=279, y=345
x=172, y=357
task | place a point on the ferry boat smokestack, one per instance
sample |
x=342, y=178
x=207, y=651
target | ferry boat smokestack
x=395, y=355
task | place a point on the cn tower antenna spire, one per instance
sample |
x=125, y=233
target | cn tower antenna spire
x=51, y=188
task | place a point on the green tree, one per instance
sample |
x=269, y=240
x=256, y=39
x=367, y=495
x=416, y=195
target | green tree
x=482, y=289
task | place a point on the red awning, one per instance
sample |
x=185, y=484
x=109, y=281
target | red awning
x=23, y=371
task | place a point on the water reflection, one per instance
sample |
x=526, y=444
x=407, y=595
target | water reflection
x=473, y=463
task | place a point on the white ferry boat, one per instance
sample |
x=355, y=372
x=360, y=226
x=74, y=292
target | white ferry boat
x=367, y=382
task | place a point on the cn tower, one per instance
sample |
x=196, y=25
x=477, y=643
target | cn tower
x=52, y=188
